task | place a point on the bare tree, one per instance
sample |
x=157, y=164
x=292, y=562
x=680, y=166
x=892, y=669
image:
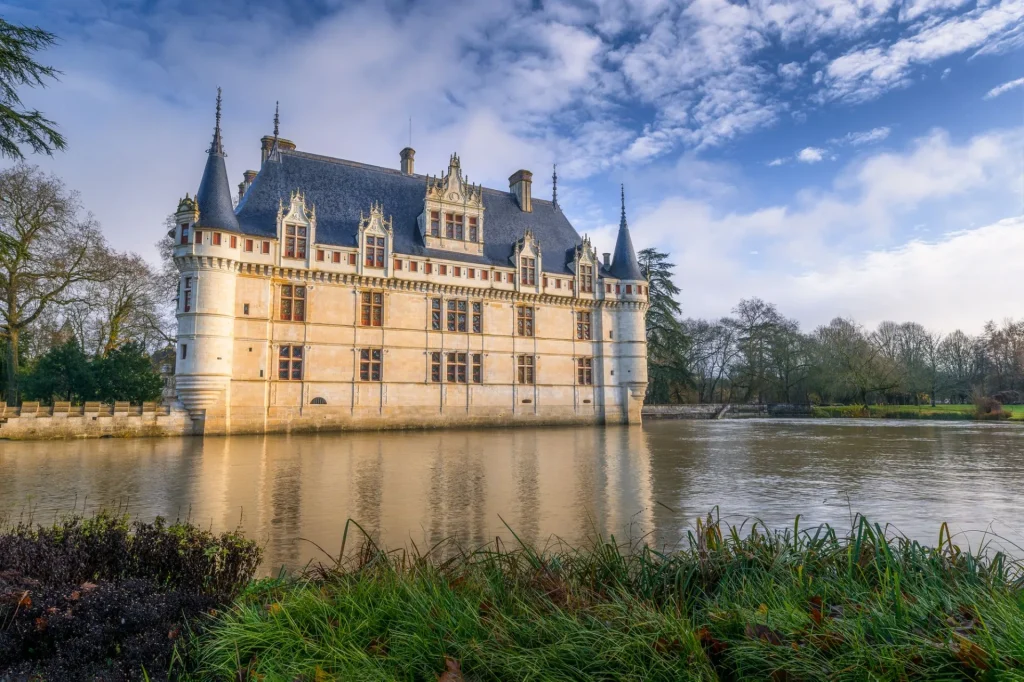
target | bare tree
x=49, y=248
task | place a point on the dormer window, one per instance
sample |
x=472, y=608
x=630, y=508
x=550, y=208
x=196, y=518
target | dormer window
x=375, y=252
x=474, y=230
x=527, y=270
x=587, y=279
x=435, y=223
x=295, y=241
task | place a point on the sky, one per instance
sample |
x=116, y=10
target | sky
x=859, y=159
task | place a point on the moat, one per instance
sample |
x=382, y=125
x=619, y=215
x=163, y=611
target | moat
x=568, y=482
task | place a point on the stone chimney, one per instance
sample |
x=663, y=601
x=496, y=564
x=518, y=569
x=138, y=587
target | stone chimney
x=247, y=178
x=519, y=184
x=607, y=259
x=408, y=164
x=267, y=144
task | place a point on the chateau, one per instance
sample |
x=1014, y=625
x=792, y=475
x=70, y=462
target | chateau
x=339, y=295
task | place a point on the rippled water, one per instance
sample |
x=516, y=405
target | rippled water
x=569, y=482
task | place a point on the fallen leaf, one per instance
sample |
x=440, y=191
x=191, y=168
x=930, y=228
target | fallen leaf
x=173, y=634
x=75, y=595
x=88, y=586
x=452, y=672
x=763, y=633
x=970, y=654
x=25, y=601
x=40, y=624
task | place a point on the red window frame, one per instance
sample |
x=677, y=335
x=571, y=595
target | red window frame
x=216, y=238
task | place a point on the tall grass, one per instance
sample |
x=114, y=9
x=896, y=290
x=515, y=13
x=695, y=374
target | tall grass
x=755, y=604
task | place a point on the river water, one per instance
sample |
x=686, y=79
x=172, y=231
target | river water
x=647, y=483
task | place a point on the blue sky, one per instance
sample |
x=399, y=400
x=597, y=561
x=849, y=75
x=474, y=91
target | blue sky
x=861, y=159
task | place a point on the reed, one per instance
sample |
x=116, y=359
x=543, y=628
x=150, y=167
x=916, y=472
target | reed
x=735, y=603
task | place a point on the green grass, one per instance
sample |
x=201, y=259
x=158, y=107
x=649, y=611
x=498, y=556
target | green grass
x=807, y=605
x=940, y=412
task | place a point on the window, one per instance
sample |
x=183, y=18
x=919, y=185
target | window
x=474, y=230
x=216, y=238
x=370, y=364
x=585, y=371
x=442, y=269
x=478, y=317
x=478, y=368
x=618, y=289
x=414, y=266
x=435, y=367
x=319, y=254
x=607, y=288
x=459, y=233
x=295, y=241
x=234, y=242
x=544, y=282
x=248, y=245
x=558, y=284
x=583, y=327
x=449, y=225
x=457, y=316
x=524, y=369
x=587, y=279
x=184, y=233
x=511, y=277
x=524, y=321
x=372, y=309
x=528, y=270
x=398, y=264
x=375, y=252
x=483, y=274
x=457, y=271
x=351, y=259
x=629, y=288
x=184, y=351
x=198, y=237
x=293, y=303
x=186, y=305
x=428, y=268
x=245, y=308
x=266, y=247
x=435, y=314
x=289, y=363
x=456, y=368
x=336, y=256
x=435, y=223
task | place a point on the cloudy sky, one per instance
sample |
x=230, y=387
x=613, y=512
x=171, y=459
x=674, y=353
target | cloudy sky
x=861, y=158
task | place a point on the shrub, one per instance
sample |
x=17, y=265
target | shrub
x=103, y=597
x=989, y=408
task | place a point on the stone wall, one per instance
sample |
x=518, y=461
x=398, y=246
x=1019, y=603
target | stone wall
x=33, y=421
x=724, y=411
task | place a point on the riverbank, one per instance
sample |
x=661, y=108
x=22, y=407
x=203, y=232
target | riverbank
x=754, y=604
x=937, y=412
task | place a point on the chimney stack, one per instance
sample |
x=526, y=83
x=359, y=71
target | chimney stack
x=519, y=184
x=408, y=164
x=247, y=178
x=607, y=259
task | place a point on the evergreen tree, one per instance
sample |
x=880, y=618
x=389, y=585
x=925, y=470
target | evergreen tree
x=19, y=126
x=63, y=373
x=666, y=340
x=127, y=373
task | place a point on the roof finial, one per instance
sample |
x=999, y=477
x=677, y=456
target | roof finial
x=217, y=147
x=277, y=119
x=622, y=220
x=554, y=185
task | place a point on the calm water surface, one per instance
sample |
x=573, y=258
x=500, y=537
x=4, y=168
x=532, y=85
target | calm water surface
x=570, y=483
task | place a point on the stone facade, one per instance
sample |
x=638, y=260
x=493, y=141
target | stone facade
x=309, y=318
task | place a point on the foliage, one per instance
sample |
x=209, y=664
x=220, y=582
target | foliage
x=989, y=408
x=18, y=67
x=65, y=372
x=104, y=597
x=797, y=604
x=666, y=338
x=126, y=373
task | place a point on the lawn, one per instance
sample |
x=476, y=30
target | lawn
x=939, y=412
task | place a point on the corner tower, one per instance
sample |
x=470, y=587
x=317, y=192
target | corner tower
x=630, y=354
x=206, y=292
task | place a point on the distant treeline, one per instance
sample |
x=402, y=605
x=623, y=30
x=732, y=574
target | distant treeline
x=758, y=355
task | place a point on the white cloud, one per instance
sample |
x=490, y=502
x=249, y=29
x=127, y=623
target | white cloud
x=824, y=252
x=863, y=137
x=777, y=162
x=945, y=73
x=1005, y=87
x=811, y=155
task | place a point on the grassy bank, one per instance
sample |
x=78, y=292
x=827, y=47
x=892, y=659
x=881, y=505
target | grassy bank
x=940, y=412
x=756, y=605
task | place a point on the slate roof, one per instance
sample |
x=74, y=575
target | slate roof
x=214, y=196
x=624, y=262
x=341, y=189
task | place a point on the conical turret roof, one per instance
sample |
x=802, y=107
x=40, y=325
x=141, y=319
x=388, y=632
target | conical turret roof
x=624, y=262
x=214, y=195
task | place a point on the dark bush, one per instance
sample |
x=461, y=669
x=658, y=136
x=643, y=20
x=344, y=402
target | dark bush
x=989, y=408
x=1008, y=397
x=103, y=597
